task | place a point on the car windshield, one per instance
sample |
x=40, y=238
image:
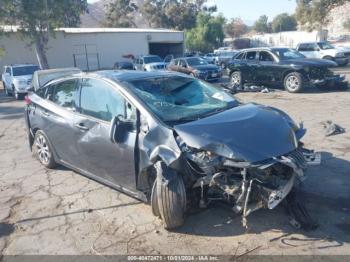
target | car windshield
x=286, y=54
x=176, y=99
x=152, y=59
x=325, y=46
x=24, y=70
x=195, y=61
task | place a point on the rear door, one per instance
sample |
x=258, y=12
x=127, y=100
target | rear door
x=115, y=163
x=58, y=115
x=250, y=68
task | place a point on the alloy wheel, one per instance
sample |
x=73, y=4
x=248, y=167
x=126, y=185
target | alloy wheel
x=292, y=83
x=43, y=149
x=235, y=79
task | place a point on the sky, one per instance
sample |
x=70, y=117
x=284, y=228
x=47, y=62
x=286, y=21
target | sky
x=250, y=10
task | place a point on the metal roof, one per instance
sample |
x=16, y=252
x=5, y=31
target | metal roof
x=77, y=30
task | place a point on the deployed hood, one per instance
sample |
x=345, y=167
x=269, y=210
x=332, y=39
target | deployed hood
x=310, y=62
x=205, y=67
x=248, y=133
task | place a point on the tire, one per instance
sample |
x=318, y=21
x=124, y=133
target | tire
x=293, y=82
x=236, y=81
x=15, y=94
x=171, y=196
x=154, y=200
x=42, y=150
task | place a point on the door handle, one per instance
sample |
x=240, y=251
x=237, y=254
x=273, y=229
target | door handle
x=81, y=126
x=45, y=113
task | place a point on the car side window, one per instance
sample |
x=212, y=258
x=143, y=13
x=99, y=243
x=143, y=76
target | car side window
x=265, y=57
x=251, y=56
x=64, y=93
x=302, y=47
x=240, y=56
x=100, y=100
x=183, y=63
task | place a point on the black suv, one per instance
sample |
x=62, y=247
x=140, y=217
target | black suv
x=264, y=66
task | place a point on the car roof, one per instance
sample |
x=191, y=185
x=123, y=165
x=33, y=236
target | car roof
x=21, y=65
x=263, y=49
x=121, y=75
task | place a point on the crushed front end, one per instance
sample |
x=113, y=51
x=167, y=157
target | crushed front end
x=245, y=186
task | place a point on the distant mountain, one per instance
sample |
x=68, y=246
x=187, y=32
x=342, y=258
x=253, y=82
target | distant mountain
x=97, y=13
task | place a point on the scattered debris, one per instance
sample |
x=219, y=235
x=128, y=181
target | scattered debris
x=247, y=88
x=331, y=128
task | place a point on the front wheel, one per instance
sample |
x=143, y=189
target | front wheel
x=293, y=82
x=170, y=203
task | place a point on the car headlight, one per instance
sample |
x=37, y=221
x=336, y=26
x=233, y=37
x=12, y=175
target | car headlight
x=339, y=55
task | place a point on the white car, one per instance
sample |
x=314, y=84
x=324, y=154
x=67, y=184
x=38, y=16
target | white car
x=17, y=79
x=149, y=63
x=325, y=50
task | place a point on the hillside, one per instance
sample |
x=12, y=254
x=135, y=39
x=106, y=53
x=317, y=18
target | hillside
x=97, y=12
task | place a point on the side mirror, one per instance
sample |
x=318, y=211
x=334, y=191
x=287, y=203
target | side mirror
x=119, y=129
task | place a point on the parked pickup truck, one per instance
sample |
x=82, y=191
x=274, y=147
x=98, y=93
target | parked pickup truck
x=325, y=50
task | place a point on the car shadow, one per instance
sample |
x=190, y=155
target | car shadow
x=324, y=203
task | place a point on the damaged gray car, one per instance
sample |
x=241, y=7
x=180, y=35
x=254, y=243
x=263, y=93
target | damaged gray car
x=168, y=139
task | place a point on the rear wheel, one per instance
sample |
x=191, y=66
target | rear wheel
x=42, y=150
x=236, y=80
x=171, y=197
x=293, y=82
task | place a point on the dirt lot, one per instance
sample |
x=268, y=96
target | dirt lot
x=61, y=212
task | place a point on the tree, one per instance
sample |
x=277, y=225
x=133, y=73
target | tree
x=38, y=19
x=284, y=22
x=176, y=14
x=236, y=28
x=208, y=33
x=261, y=24
x=120, y=13
x=312, y=14
x=346, y=25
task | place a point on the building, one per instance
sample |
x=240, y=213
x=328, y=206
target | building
x=93, y=48
x=287, y=39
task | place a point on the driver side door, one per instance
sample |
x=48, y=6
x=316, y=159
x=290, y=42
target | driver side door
x=113, y=163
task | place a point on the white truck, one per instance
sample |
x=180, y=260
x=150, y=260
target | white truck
x=17, y=79
x=325, y=50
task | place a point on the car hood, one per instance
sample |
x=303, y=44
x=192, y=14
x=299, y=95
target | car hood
x=249, y=133
x=310, y=62
x=25, y=77
x=205, y=67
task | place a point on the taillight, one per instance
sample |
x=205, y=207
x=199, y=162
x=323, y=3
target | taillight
x=27, y=100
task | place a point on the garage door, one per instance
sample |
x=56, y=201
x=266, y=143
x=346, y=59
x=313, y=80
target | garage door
x=164, y=49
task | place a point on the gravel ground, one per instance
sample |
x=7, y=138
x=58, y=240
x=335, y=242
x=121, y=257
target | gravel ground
x=61, y=212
